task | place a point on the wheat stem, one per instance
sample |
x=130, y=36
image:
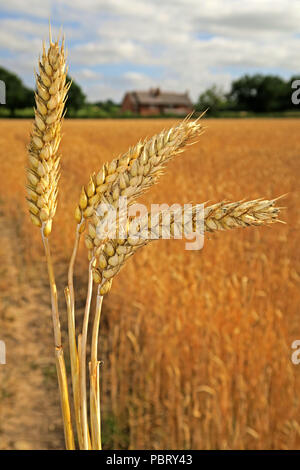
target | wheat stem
x=70, y=301
x=95, y=378
x=71, y=270
x=74, y=366
x=59, y=355
x=84, y=419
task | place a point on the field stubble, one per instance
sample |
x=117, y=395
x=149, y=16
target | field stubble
x=196, y=345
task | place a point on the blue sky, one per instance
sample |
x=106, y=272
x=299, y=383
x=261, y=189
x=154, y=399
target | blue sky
x=179, y=45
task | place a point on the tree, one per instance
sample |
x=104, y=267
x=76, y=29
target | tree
x=109, y=106
x=213, y=98
x=76, y=97
x=259, y=93
x=17, y=94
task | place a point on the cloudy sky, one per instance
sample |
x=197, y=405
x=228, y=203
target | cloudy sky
x=179, y=45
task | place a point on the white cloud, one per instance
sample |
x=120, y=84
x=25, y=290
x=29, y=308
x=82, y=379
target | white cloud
x=176, y=44
x=90, y=74
x=86, y=74
x=33, y=7
x=102, y=52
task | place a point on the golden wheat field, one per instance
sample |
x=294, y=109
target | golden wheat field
x=196, y=345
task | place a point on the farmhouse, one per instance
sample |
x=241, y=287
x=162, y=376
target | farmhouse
x=155, y=101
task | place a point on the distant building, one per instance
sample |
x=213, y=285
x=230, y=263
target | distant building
x=155, y=101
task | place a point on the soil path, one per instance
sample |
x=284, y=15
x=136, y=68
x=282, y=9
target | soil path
x=29, y=403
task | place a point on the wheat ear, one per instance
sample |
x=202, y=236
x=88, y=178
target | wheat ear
x=42, y=185
x=137, y=170
x=43, y=159
x=108, y=259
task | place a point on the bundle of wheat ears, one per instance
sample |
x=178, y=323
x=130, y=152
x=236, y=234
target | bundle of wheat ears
x=128, y=175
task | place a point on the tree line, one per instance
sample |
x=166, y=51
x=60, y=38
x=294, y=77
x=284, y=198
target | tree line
x=251, y=93
x=18, y=96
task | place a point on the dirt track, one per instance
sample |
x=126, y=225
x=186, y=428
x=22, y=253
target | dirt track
x=29, y=408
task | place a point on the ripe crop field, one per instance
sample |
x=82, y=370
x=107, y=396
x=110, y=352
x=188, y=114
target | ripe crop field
x=196, y=345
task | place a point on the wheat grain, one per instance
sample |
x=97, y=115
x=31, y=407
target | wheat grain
x=111, y=256
x=137, y=170
x=43, y=159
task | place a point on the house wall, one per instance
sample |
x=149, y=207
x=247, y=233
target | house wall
x=149, y=110
x=154, y=110
x=180, y=110
x=128, y=104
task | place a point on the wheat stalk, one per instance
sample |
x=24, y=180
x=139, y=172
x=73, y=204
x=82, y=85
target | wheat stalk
x=95, y=379
x=42, y=185
x=108, y=258
x=128, y=175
